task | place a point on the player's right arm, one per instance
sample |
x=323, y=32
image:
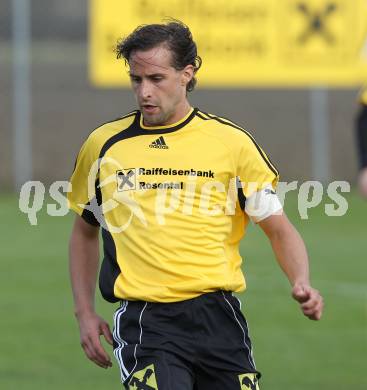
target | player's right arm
x=84, y=199
x=258, y=178
x=84, y=263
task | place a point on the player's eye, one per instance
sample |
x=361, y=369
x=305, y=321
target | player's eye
x=157, y=78
x=135, y=80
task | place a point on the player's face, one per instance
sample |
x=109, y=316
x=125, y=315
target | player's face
x=160, y=89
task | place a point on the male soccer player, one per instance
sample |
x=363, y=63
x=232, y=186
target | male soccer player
x=173, y=189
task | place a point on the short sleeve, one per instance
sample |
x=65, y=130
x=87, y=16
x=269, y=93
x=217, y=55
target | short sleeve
x=255, y=170
x=82, y=193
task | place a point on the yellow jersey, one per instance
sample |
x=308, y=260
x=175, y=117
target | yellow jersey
x=169, y=204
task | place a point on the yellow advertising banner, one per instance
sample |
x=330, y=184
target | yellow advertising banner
x=244, y=43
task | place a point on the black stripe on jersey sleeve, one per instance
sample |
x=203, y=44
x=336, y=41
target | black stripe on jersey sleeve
x=230, y=123
x=240, y=194
x=89, y=217
x=110, y=269
x=201, y=116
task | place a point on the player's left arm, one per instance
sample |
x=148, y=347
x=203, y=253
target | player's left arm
x=291, y=254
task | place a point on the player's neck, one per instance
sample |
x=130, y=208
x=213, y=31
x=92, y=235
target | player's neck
x=180, y=113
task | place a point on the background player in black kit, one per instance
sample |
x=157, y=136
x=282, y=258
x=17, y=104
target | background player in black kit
x=361, y=127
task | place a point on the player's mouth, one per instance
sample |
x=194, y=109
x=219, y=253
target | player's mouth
x=150, y=108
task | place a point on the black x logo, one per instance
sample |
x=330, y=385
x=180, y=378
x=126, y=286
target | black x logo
x=125, y=179
x=316, y=22
x=249, y=384
x=142, y=385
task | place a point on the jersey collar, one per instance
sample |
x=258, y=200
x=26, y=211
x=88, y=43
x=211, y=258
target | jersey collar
x=168, y=128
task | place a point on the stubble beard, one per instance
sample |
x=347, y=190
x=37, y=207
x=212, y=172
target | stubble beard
x=159, y=119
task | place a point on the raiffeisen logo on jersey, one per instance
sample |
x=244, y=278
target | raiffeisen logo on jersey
x=158, y=186
x=126, y=179
x=175, y=172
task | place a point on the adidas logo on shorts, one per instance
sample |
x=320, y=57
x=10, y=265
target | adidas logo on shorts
x=159, y=143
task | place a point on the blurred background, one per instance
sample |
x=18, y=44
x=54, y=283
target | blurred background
x=66, y=106
x=300, y=104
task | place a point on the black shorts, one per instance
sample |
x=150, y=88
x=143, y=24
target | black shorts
x=196, y=344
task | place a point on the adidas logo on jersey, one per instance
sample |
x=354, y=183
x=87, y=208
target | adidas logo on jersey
x=159, y=143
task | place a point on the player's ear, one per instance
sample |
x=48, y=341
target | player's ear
x=187, y=74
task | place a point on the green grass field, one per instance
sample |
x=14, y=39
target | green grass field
x=39, y=340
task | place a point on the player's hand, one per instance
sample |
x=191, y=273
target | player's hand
x=91, y=328
x=310, y=300
x=362, y=182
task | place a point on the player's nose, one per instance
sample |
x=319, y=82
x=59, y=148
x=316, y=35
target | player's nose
x=145, y=90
